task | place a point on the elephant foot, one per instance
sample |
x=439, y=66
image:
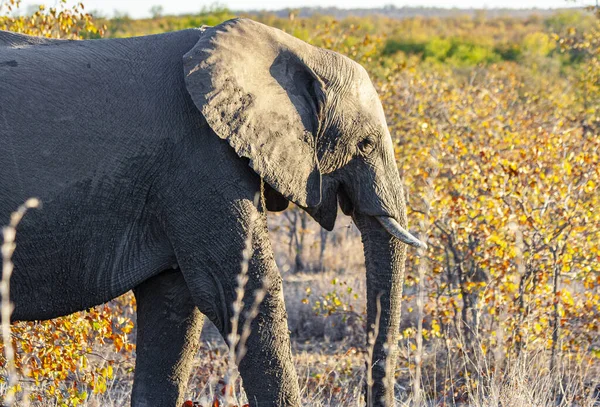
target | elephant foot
x=168, y=334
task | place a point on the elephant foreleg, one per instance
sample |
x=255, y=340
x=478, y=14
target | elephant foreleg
x=267, y=369
x=168, y=332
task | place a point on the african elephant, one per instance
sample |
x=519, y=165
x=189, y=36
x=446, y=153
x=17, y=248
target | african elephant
x=147, y=154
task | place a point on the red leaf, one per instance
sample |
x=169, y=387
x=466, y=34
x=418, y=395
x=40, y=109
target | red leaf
x=188, y=403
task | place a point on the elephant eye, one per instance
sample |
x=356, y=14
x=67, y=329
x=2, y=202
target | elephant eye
x=366, y=145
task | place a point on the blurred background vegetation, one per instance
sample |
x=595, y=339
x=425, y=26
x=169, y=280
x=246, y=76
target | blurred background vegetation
x=496, y=125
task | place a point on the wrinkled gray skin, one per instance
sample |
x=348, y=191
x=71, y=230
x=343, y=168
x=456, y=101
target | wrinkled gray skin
x=148, y=153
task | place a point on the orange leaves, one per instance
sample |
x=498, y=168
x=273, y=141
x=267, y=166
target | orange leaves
x=53, y=352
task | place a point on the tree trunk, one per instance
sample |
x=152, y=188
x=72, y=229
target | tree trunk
x=324, y=235
x=300, y=238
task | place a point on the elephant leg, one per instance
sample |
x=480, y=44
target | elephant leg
x=267, y=349
x=210, y=261
x=168, y=333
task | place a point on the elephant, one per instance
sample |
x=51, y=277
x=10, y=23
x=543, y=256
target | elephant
x=156, y=160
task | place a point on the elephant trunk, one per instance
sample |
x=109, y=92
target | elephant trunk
x=385, y=257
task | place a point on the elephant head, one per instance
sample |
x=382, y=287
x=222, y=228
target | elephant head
x=312, y=126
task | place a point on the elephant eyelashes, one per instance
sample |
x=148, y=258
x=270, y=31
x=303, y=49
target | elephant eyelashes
x=366, y=145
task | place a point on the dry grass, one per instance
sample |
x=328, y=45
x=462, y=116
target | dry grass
x=328, y=345
x=332, y=374
x=8, y=248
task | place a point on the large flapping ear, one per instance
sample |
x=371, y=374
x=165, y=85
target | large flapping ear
x=252, y=84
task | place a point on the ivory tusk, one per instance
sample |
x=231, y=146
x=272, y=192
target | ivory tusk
x=394, y=229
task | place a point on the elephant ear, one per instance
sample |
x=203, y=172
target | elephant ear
x=254, y=88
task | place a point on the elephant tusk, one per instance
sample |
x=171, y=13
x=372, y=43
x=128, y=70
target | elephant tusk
x=394, y=229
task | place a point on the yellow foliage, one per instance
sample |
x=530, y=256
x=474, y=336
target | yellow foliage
x=55, y=22
x=501, y=161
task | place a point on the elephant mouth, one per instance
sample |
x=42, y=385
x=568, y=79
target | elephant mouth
x=393, y=228
x=390, y=224
x=344, y=201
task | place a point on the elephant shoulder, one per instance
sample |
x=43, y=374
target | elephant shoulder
x=16, y=40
